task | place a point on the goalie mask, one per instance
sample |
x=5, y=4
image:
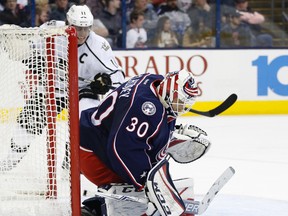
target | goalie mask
x=80, y=16
x=178, y=91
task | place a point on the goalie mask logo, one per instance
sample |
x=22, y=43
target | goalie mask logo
x=190, y=87
x=148, y=108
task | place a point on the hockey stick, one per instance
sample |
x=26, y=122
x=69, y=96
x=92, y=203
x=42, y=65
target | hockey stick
x=214, y=189
x=219, y=109
x=85, y=80
x=192, y=207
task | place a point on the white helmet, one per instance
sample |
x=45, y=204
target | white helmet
x=178, y=85
x=80, y=15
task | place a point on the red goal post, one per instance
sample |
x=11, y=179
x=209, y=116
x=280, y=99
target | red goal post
x=39, y=113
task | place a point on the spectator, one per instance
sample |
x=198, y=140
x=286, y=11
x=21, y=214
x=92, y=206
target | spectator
x=59, y=10
x=82, y=2
x=254, y=20
x=44, y=4
x=41, y=16
x=226, y=12
x=1, y=6
x=201, y=36
x=22, y=3
x=229, y=3
x=184, y=5
x=129, y=4
x=99, y=28
x=96, y=6
x=164, y=36
x=171, y=5
x=180, y=21
x=157, y=3
x=136, y=36
x=13, y=14
x=235, y=34
x=42, y=12
x=111, y=18
x=150, y=16
x=201, y=10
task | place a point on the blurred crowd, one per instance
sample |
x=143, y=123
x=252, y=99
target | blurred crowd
x=153, y=23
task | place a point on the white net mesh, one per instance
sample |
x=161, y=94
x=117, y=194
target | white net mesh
x=34, y=129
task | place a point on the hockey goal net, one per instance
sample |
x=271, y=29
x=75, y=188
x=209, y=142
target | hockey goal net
x=39, y=171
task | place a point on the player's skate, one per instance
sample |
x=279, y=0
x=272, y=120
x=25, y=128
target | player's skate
x=20, y=143
x=14, y=156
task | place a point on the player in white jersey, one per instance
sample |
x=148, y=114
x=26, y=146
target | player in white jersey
x=98, y=72
x=96, y=60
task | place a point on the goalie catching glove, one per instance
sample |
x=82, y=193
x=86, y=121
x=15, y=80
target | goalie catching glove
x=101, y=84
x=188, y=144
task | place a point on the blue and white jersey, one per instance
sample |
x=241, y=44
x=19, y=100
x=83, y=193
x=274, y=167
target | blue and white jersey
x=130, y=130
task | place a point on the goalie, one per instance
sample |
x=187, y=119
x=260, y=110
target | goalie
x=125, y=139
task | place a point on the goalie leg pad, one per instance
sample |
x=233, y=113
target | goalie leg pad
x=123, y=208
x=185, y=187
x=161, y=191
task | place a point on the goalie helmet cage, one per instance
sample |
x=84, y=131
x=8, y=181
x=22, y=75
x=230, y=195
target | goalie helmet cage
x=39, y=136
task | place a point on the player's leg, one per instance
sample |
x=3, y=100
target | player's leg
x=119, y=207
x=18, y=149
x=111, y=207
x=84, y=103
x=99, y=174
x=30, y=123
x=95, y=170
x=161, y=191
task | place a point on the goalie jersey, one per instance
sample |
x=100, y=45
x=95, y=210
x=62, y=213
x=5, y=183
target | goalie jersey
x=130, y=130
